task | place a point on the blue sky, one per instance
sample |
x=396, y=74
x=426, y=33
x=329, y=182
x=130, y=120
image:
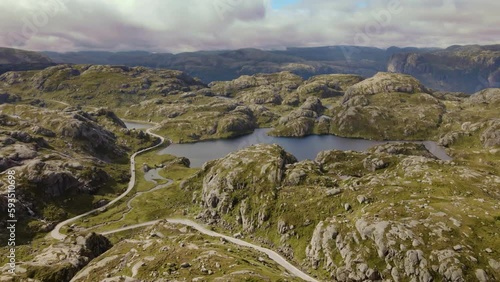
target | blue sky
x=279, y=4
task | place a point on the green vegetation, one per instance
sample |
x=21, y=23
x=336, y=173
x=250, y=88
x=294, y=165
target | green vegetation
x=167, y=249
x=345, y=210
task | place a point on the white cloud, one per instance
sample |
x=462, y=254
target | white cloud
x=176, y=26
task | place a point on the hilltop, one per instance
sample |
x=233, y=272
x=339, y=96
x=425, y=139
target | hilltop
x=18, y=60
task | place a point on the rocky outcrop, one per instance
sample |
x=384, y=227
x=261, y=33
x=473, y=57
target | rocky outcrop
x=387, y=106
x=61, y=261
x=279, y=82
x=384, y=82
x=255, y=170
x=488, y=133
x=236, y=122
x=54, y=181
x=164, y=250
x=61, y=158
x=306, y=173
x=97, y=140
x=490, y=96
x=261, y=95
x=491, y=135
x=403, y=148
x=413, y=264
x=328, y=85
x=300, y=122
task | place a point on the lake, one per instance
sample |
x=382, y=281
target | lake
x=302, y=148
x=137, y=125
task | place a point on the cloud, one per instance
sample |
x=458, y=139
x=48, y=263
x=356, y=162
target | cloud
x=188, y=25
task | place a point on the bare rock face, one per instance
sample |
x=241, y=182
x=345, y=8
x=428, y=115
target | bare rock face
x=111, y=115
x=403, y=148
x=491, y=135
x=490, y=96
x=329, y=239
x=320, y=244
x=373, y=164
x=228, y=182
x=456, y=68
x=54, y=180
x=99, y=139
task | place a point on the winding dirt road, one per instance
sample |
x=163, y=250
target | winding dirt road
x=56, y=232
x=270, y=253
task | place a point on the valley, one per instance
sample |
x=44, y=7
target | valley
x=365, y=209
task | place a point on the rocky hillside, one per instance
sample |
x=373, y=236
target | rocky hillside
x=457, y=68
x=166, y=252
x=99, y=85
x=18, y=60
x=66, y=161
x=61, y=261
x=387, y=106
x=394, y=212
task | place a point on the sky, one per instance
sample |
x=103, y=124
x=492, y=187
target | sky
x=190, y=25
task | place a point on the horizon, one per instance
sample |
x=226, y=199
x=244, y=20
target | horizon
x=254, y=48
x=195, y=25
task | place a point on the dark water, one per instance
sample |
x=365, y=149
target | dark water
x=137, y=125
x=302, y=148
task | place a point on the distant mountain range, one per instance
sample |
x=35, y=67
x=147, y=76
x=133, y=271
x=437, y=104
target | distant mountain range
x=226, y=65
x=456, y=68
x=20, y=60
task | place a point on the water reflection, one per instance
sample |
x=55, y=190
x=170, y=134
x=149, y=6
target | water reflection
x=302, y=148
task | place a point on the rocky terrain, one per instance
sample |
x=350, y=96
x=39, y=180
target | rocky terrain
x=166, y=252
x=61, y=261
x=389, y=213
x=392, y=213
x=457, y=68
x=67, y=161
x=386, y=106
